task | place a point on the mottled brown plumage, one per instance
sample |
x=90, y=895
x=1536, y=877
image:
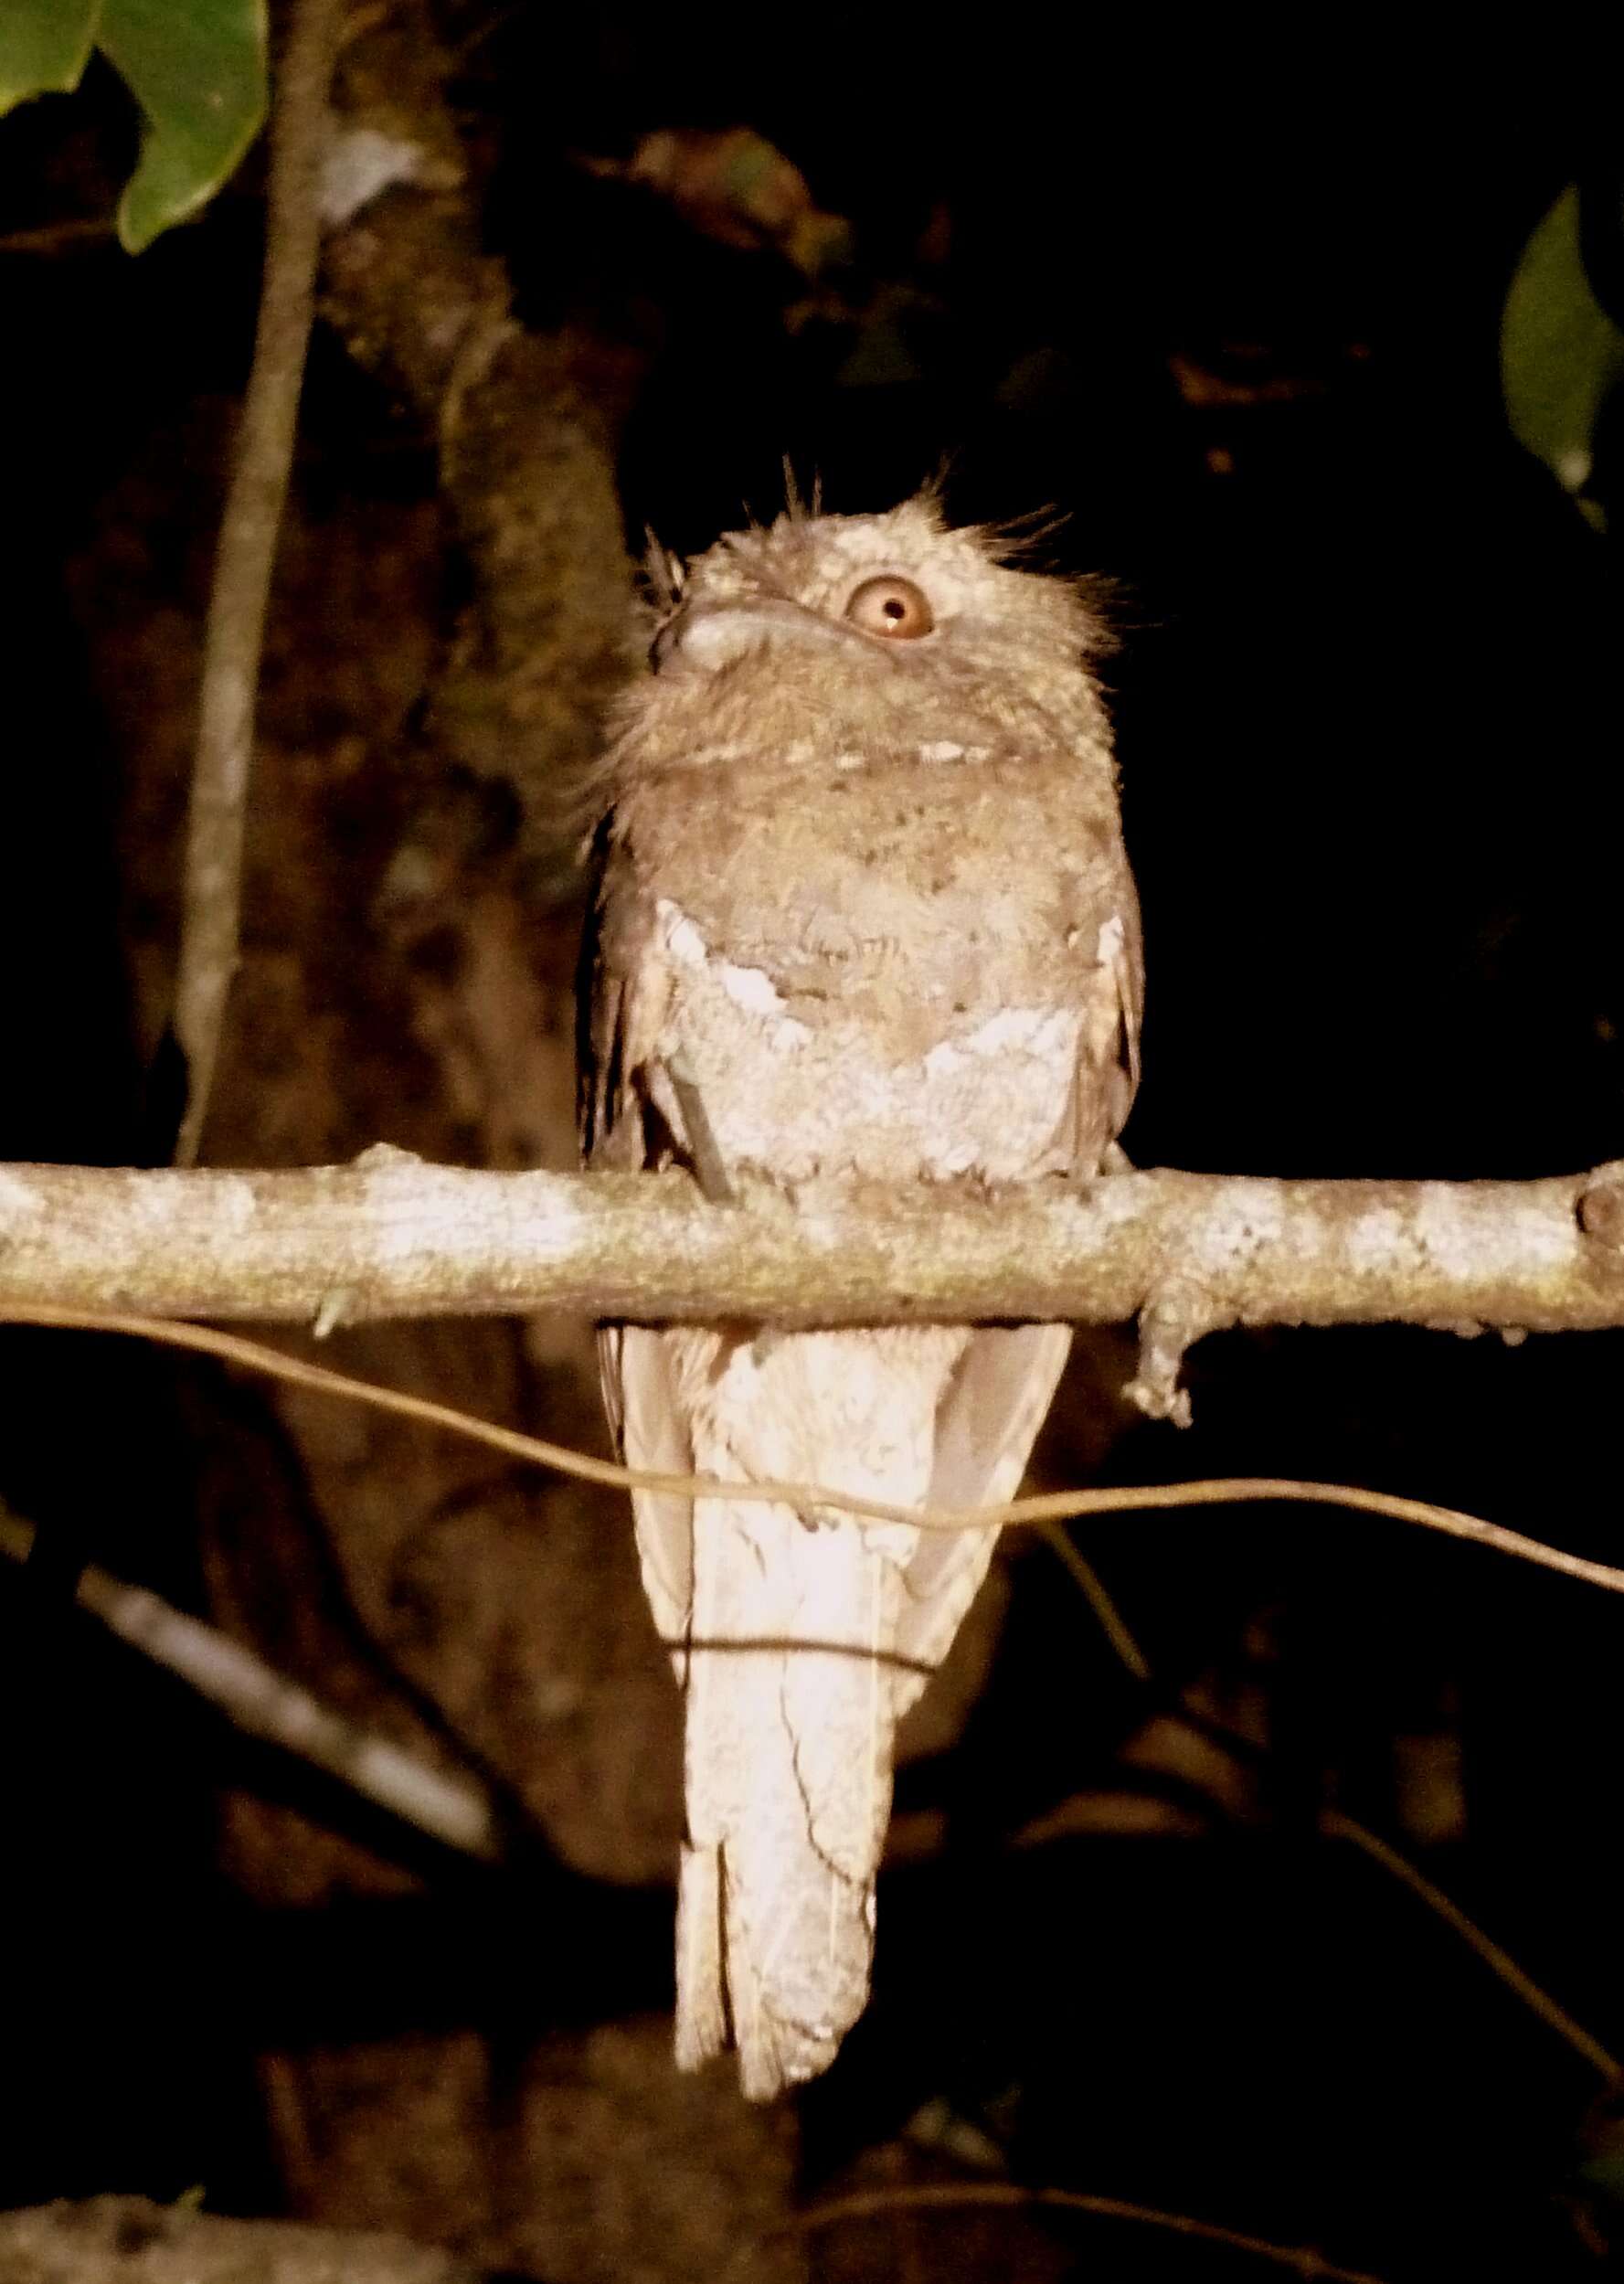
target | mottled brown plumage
x=863, y=911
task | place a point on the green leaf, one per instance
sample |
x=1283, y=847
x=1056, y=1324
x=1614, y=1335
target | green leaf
x=197, y=70
x=1560, y=352
x=44, y=47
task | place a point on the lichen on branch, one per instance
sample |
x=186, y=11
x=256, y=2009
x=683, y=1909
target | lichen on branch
x=393, y=1237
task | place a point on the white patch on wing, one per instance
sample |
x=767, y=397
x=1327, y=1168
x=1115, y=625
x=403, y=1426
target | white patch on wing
x=840, y=1092
x=752, y=988
x=749, y=988
x=1112, y=936
x=1035, y=1031
x=942, y=750
x=687, y=946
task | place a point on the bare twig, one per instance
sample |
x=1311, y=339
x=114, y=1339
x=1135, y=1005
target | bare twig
x=211, y=898
x=1113, y=1624
x=1046, y=1506
x=957, y=2196
x=1336, y=1825
x=455, y=1810
x=51, y=238
x=1500, y=1962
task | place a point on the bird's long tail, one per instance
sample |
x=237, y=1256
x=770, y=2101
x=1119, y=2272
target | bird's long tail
x=790, y=1715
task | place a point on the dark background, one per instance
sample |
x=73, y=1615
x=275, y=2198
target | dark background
x=1241, y=333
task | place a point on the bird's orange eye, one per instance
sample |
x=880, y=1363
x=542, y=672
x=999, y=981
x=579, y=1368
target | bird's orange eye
x=891, y=606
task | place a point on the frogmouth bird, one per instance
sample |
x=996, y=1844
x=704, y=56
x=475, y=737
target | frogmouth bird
x=862, y=913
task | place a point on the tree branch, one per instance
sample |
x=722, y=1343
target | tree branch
x=392, y=1236
x=456, y=1811
x=107, y=2239
x=959, y=2196
x=527, y=420
x=1334, y=1824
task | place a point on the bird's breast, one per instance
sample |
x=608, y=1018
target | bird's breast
x=890, y=972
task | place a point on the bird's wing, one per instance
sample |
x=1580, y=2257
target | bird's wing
x=618, y=980
x=651, y=1433
x=989, y=1420
x=608, y=1107
x=1006, y=1380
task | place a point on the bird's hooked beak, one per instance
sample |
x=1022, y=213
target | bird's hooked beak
x=704, y=636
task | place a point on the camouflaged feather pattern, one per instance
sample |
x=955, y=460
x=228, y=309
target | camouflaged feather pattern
x=863, y=908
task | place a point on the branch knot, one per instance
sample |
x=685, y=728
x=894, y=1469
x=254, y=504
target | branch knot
x=1175, y=1316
